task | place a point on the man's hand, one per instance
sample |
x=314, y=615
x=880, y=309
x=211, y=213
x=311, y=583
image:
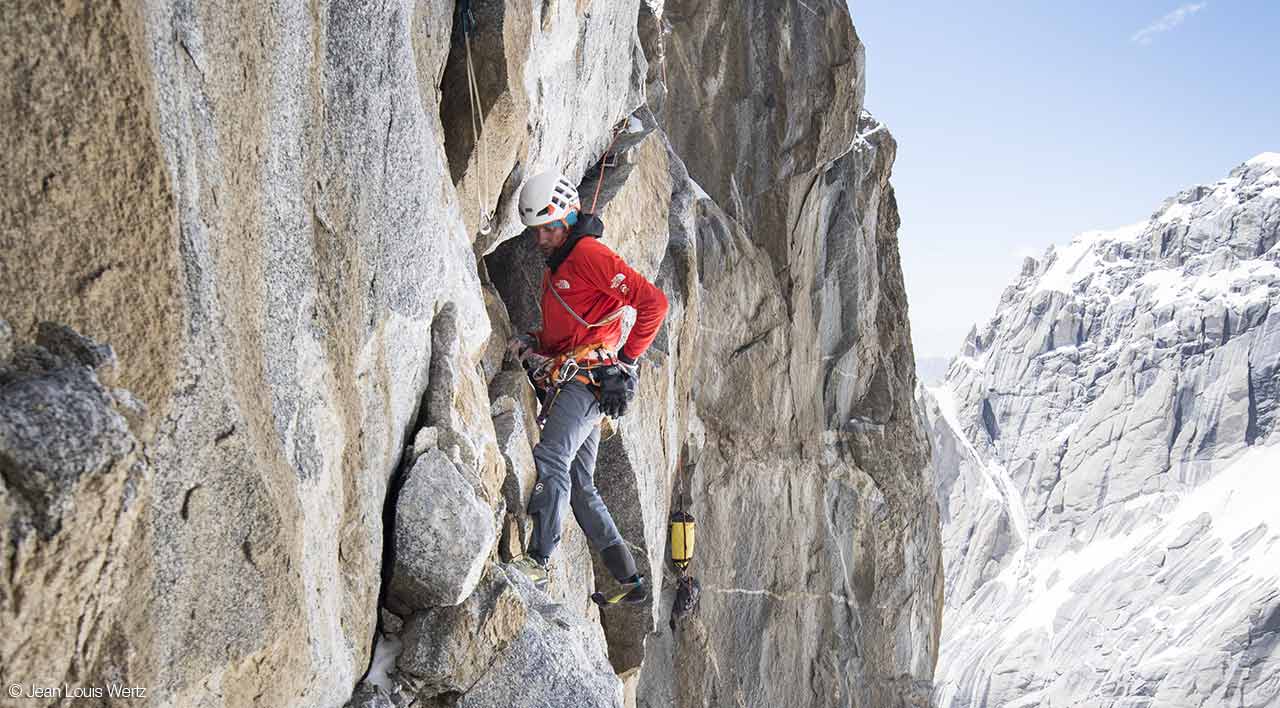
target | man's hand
x=520, y=346
x=617, y=387
x=524, y=349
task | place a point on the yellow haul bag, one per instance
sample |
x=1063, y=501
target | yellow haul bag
x=681, y=538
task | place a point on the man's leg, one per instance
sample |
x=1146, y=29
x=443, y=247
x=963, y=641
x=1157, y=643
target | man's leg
x=594, y=517
x=573, y=416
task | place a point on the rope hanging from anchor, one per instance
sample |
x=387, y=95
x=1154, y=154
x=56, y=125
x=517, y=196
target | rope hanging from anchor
x=467, y=19
x=605, y=159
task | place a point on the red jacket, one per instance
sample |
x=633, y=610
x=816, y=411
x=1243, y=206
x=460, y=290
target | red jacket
x=595, y=282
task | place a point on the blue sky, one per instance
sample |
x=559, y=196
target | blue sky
x=1021, y=124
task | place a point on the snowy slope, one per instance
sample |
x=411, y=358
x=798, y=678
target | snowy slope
x=1108, y=467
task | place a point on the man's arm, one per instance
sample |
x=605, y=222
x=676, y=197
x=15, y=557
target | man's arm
x=607, y=271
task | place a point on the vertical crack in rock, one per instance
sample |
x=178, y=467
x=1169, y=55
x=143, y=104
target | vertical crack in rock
x=490, y=65
x=394, y=486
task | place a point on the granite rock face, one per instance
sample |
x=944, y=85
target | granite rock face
x=274, y=231
x=796, y=78
x=555, y=659
x=303, y=461
x=368, y=696
x=71, y=485
x=1102, y=450
x=450, y=648
x=781, y=611
x=443, y=534
x=58, y=425
x=6, y=342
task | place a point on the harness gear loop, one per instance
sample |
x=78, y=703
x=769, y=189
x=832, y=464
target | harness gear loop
x=574, y=365
x=469, y=24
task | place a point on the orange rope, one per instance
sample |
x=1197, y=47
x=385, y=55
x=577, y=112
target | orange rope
x=603, y=165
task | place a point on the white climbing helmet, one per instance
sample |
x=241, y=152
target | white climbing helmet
x=548, y=197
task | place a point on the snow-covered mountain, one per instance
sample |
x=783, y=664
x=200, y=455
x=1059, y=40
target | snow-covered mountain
x=931, y=370
x=1108, y=467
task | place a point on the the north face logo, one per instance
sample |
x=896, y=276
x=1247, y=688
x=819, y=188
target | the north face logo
x=562, y=285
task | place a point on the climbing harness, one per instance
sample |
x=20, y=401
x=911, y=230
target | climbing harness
x=468, y=20
x=576, y=365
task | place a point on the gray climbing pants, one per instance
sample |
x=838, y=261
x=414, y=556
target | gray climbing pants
x=566, y=462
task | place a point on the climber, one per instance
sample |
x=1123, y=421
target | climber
x=580, y=373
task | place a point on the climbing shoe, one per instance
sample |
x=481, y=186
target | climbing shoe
x=630, y=593
x=533, y=569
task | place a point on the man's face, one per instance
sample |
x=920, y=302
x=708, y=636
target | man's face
x=549, y=237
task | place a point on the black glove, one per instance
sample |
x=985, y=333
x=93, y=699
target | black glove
x=617, y=388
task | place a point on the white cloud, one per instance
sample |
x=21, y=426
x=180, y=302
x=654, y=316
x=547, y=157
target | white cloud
x=1147, y=34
